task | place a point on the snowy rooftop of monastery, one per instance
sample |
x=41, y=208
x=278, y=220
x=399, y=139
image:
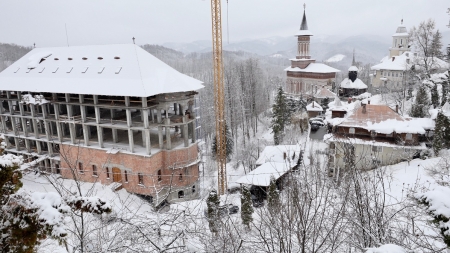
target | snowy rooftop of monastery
x=353, y=68
x=276, y=153
x=314, y=68
x=357, y=84
x=325, y=93
x=314, y=107
x=382, y=119
x=337, y=105
x=400, y=62
x=115, y=70
x=262, y=174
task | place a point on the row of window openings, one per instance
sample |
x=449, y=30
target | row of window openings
x=408, y=136
x=140, y=176
x=393, y=74
x=69, y=70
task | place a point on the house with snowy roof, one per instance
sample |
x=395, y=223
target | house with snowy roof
x=374, y=135
x=352, y=85
x=323, y=93
x=305, y=74
x=113, y=114
x=391, y=71
x=314, y=109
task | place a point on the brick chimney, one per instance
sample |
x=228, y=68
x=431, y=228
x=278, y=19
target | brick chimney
x=349, y=100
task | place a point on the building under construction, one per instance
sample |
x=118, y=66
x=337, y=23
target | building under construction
x=109, y=114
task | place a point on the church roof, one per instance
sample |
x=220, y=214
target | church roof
x=401, y=31
x=324, y=93
x=357, y=84
x=314, y=68
x=304, y=27
x=114, y=70
x=400, y=62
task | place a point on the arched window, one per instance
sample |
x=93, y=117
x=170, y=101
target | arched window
x=181, y=194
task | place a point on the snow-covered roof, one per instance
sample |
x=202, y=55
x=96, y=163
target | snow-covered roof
x=314, y=107
x=327, y=138
x=446, y=107
x=353, y=68
x=387, y=248
x=314, y=68
x=276, y=153
x=337, y=105
x=115, y=70
x=324, y=93
x=261, y=175
x=357, y=84
x=382, y=119
x=400, y=62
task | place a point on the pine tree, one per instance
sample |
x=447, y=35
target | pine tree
x=434, y=96
x=324, y=103
x=213, y=203
x=445, y=88
x=441, y=138
x=273, y=198
x=246, y=207
x=228, y=146
x=280, y=116
x=420, y=107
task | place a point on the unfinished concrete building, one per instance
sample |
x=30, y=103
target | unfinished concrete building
x=109, y=114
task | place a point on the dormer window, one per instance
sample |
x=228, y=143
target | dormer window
x=100, y=58
x=84, y=58
x=117, y=57
x=56, y=59
x=70, y=58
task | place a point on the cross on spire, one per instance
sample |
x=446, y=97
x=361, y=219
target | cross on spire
x=402, y=21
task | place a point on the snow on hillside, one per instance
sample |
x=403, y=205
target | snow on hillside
x=336, y=58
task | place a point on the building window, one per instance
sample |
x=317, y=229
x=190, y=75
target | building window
x=351, y=130
x=193, y=189
x=377, y=149
x=126, y=176
x=409, y=136
x=181, y=194
x=140, y=179
x=180, y=177
x=58, y=170
x=94, y=170
x=159, y=176
x=80, y=167
x=107, y=173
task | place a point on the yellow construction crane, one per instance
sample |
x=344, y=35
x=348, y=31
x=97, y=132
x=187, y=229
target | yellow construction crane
x=219, y=96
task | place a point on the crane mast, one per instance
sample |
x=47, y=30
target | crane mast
x=219, y=96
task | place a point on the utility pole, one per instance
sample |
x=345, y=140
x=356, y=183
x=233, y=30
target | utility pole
x=219, y=96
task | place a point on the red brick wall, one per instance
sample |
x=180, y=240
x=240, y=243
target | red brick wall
x=311, y=75
x=170, y=162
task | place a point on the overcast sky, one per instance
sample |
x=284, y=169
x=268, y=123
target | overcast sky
x=25, y=22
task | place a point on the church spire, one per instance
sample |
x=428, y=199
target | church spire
x=304, y=25
x=353, y=61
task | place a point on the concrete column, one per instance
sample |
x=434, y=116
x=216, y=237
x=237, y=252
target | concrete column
x=50, y=148
x=129, y=120
x=8, y=144
x=46, y=164
x=152, y=115
x=13, y=124
x=19, y=95
x=158, y=116
x=73, y=133
x=38, y=147
x=147, y=143
x=44, y=111
x=8, y=95
x=47, y=130
x=100, y=136
x=2, y=118
x=56, y=108
x=145, y=112
x=115, y=136
x=168, y=140
x=185, y=135
x=60, y=132
x=194, y=132
x=86, y=135
x=130, y=140
x=83, y=113
x=27, y=145
x=127, y=101
x=97, y=115
x=175, y=107
x=33, y=121
x=24, y=126
x=16, y=142
x=113, y=113
x=160, y=137
x=95, y=99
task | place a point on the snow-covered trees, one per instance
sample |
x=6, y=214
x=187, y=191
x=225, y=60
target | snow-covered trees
x=441, y=137
x=280, y=116
x=434, y=96
x=273, y=198
x=445, y=88
x=427, y=41
x=421, y=105
x=26, y=218
x=213, y=203
x=228, y=145
x=246, y=207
